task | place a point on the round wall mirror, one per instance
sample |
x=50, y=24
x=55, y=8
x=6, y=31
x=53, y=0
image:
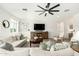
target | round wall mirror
x=6, y=24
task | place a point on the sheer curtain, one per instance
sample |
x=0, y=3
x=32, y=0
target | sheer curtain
x=60, y=28
x=75, y=36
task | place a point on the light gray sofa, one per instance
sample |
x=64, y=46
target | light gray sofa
x=34, y=51
x=15, y=41
x=17, y=52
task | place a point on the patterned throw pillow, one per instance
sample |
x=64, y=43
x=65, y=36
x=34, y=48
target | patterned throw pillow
x=59, y=46
x=43, y=46
x=46, y=45
x=50, y=43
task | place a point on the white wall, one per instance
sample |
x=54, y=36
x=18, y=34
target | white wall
x=75, y=21
x=50, y=24
x=49, y=21
x=5, y=32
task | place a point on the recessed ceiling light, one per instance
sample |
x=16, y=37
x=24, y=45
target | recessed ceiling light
x=24, y=9
x=66, y=10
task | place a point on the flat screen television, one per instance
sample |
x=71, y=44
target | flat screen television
x=39, y=26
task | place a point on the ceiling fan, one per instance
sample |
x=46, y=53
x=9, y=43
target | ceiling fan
x=47, y=9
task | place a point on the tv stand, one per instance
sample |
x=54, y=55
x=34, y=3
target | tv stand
x=38, y=36
x=43, y=34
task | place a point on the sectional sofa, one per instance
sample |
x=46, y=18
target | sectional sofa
x=34, y=51
x=38, y=52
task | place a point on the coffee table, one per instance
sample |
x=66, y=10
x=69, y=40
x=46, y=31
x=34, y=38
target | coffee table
x=75, y=46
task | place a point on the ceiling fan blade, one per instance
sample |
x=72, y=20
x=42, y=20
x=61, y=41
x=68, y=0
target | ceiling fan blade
x=41, y=7
x=54, y=10
x=45, y=14
x=42, y=13
x=51, y=13
x=39, y=11
x=55, y=6
x=48, y=4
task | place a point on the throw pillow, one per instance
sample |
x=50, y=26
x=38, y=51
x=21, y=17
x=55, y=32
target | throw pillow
x=6, y=46
x=46, y=44
x=43, y=46
x=21, y=37
x=49, y=44
x=59, y=46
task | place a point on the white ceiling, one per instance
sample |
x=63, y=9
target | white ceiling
x=16, y=9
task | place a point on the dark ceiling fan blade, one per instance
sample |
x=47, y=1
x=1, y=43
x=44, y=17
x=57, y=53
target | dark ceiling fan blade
x=48, y=4
x=51, y=13
x=54, y=10
x=39, y=11
x=41, y=7
x=42, y=13
x=55, y=6
x=45, y=14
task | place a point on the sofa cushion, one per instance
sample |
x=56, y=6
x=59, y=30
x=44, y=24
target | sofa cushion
x=20, y=52
x=10, y=39
x=16, y=52
x=63, y=52
x=3, y=52
x=39, y=52
x=19, y=43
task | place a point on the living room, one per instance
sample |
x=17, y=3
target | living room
x=26, y=27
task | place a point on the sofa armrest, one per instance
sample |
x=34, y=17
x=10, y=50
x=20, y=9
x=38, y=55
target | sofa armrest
x=19, y=43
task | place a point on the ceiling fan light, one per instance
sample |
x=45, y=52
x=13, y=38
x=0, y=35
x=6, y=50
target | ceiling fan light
x=48, y=10
x=24, y=9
